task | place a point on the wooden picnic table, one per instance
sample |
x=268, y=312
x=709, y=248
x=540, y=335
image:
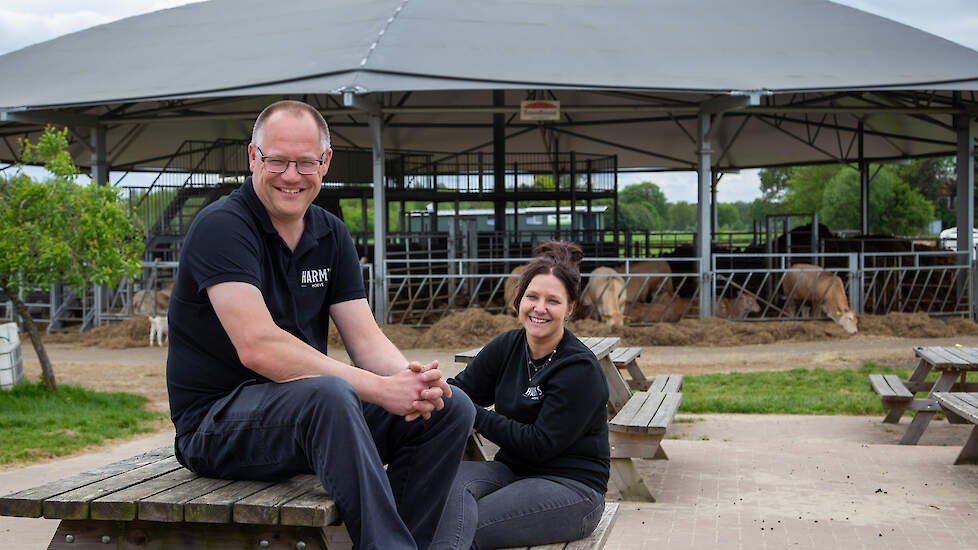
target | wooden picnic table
x=963, y=406
x=149, y=501
x=954, y=363
x=637, y=421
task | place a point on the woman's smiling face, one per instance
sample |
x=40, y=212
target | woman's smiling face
x=544, y=307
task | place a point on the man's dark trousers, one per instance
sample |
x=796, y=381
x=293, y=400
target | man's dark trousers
x=269, y=431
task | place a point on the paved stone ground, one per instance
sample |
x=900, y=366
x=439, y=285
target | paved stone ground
x=751, y=481
x=736, y=481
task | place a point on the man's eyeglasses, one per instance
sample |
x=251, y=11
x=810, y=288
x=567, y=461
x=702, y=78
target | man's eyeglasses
x=277, y=165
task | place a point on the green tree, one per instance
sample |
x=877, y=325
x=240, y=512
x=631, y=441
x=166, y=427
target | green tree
x=774, y=183
x=682, y=216
x=759, y=210
x=935, y=180
x=806, y=186
x=58, y=230
x=727, y=215
x=894, y=207
x=646, y=193
x=744, y=213
x=638, y=217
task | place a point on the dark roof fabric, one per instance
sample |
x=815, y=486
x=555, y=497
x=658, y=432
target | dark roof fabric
x=248, y=47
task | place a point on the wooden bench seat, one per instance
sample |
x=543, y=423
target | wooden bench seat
x=667, y=383
x=896, y=398
x=962, y=406
x=627, y=358
x=889, y=387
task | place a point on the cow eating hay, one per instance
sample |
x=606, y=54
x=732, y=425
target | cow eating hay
x=811, y=285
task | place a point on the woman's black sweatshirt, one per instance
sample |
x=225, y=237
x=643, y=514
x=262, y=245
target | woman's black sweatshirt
x=553, y=424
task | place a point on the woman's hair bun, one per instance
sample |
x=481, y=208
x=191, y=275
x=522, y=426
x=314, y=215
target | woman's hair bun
x=561, y=251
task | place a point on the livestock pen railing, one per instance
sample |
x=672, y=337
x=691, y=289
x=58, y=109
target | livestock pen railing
x=742, y=286
x=648, y=290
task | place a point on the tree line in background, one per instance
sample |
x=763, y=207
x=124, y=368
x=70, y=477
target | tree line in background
x=904, y=200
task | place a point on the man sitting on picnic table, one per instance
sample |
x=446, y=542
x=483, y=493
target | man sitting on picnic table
x=253, y=394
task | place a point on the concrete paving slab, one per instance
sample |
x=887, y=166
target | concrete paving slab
x=736, y=481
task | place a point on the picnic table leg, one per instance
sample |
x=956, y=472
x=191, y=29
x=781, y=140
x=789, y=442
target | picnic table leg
x=920, y=372
x=894, y=416
x=916, y=428
x=628, y=481
x=969, y=454
x=639, y=381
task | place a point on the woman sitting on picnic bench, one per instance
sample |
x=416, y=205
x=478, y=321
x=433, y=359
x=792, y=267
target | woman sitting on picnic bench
x=548, y=481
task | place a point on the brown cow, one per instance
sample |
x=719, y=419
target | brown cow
x=736, y=308
x=642, y=284
x=509, y=289
x=604, y=293
x=820, y=289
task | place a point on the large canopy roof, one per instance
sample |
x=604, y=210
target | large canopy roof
x=631, y=76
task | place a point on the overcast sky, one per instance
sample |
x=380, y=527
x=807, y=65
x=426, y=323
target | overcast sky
x=25, y=22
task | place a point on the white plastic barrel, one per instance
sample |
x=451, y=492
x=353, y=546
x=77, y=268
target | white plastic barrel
x=11, y=364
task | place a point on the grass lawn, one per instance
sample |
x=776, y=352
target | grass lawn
x=36, y=424
x=796, y=391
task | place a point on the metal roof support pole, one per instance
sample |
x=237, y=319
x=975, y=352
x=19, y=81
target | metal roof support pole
x=863, y=185
x=703, y=208
x=499, y=163
x=376, y=121
x=100, y=169
x=966, y=202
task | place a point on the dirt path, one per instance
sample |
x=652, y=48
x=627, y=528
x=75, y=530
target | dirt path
x=142, y=370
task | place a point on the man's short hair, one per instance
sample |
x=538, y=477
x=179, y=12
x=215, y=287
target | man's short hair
x=295, y=108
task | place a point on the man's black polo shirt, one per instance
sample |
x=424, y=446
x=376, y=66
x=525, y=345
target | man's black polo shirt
x=234, y=240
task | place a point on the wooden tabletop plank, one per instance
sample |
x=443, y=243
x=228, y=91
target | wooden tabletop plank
x=122, y=505
x=962, y=404
x=217, y=506
x=944, y=357
x=263, y=506
x=963, y=355
x=314, y=509
x=931, y=354
x=971, y=398
x=603, y=346
x=28, y=503
x=75, y=504
x=170, y=505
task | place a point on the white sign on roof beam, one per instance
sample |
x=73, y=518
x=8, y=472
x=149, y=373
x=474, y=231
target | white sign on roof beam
x=539, y=109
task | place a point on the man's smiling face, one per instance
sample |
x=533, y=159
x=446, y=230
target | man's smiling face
x=292, y=137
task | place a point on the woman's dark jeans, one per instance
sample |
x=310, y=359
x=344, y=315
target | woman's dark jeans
x=490, y=507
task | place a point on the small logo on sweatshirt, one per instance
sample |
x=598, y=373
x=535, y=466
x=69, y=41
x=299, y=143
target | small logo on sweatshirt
x=534, y=393
x=314, y=278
